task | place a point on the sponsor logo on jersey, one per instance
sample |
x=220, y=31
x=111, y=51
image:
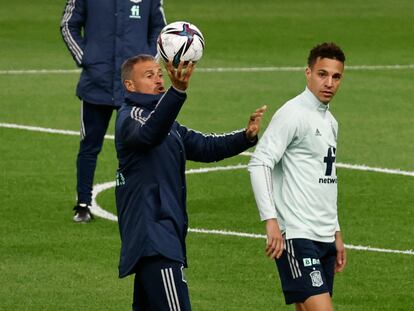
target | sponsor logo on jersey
x=317, y=132
x=316, y=278
x=307, y=262
x=136, y=1
x=328, y=180
x=330, y=167
x=120, y=179
x=135, y=12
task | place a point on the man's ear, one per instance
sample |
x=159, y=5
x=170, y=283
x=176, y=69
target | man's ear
x=129, y=85
x=308, y=71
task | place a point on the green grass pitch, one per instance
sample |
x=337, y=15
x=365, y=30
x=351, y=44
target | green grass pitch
x=47, y=262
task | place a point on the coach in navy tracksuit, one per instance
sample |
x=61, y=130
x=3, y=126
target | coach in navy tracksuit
x=100, y=35
x=152, y=150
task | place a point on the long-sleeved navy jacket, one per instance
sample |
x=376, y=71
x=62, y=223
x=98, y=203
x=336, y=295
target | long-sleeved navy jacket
x=152, y=150
x=101, y=35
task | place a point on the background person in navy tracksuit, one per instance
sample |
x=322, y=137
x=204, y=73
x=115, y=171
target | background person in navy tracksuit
x=152, y=149
x=100, y=35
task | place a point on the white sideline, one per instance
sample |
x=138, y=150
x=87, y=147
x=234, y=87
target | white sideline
x=219, y=69
x=98, y=211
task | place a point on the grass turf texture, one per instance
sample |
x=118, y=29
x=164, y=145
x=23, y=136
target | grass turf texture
x=49, y=263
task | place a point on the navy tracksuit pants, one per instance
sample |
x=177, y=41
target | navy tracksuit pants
x=94, y=123
x=160, y=285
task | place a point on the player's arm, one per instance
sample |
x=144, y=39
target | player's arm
x=270, y=149
x=151, y=130
x=253, y=126
x=208, y=148
x=261, y=180
x=340, y=252
x=73, y=20
x=201, y=147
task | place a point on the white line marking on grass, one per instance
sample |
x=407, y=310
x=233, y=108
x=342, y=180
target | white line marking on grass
x=95, y=208
x=360, y=167
x=215, y=169
x=374, y=169
x=201, y=170
x=98, y=211
x=39, y=71
x=220, y=69
x=291, y=68
x=262, y=236
x=45, y=130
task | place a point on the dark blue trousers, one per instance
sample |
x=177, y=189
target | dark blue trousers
x=160, y=285
x=94, y=123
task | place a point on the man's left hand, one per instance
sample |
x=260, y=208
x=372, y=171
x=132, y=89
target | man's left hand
x=253, y=127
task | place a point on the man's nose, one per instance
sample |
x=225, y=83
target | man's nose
x=329, y=82
x=158, y=80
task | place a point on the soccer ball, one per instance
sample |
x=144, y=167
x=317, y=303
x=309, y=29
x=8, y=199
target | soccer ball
x=180, y=41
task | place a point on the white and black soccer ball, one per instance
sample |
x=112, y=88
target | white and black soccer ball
x=180, y=41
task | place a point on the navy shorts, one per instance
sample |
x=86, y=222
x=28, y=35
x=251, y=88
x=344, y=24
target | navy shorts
x=160, y=284
x=306, y=268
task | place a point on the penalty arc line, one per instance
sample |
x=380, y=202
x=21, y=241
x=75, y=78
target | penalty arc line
x=98, y=211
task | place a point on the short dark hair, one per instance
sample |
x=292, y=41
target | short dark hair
x=128, y=65
x=326, y=50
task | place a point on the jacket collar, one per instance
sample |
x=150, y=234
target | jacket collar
x=148, y=101
x=314, y=101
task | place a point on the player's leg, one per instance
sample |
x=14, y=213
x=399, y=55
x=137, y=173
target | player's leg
x=321, y=302
x=94, y=123
x=300, y=307
x=162, y=282
x=301, y=273
x=140, y=301
x=327, y=258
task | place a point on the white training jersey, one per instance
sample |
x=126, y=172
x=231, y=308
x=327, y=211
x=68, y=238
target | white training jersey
x=293, y=170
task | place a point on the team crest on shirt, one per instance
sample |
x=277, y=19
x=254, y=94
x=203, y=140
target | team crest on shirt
x=316, y=278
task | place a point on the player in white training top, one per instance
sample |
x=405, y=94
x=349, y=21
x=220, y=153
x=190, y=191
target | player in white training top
x=294, y=181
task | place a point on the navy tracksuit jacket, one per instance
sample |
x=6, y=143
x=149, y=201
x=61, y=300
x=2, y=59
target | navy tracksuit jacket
x=152, y=149
x=101, y=35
